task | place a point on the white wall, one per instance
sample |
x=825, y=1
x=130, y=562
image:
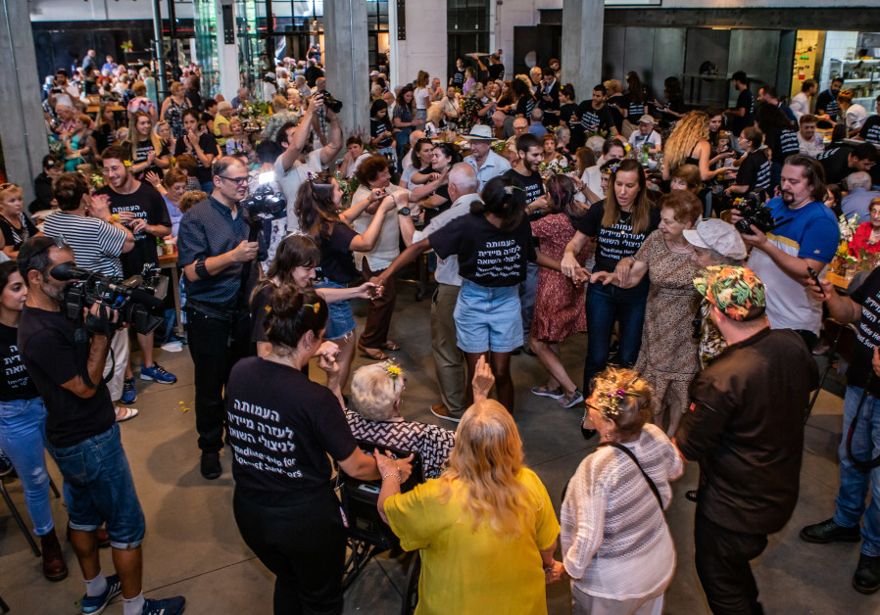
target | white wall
x=425, y=45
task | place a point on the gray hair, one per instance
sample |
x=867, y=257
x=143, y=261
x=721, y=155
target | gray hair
x=463, y=176
x=375, y=392
x=859, y=179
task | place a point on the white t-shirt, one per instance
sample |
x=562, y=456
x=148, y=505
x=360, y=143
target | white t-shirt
x=855, y=117
x=800, y=104
x=654, y=140
x=292, y=179
x=592, y=177
x=387, y=248
x=422, y=97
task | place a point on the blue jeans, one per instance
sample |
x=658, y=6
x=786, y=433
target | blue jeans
x=854, y=484
x=98, y=488
x=605, y=305
x=340, y=320
x=23, y=439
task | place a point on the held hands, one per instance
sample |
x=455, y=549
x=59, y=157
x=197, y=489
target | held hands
x=554, y=573
x=377, y=283
x=245, y=252
x=137, y=225
x=99, y=207
x=483, y=380
x=621, y=271
x=605, y=277
x=368, y=290
x=327, y=355
x=391, y=467
x=569, y=265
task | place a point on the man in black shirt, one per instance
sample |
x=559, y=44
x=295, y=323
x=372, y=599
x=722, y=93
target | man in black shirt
x=141, y=208
x=870, y=131
x=743, y=114
x=67, y=365
x=216, y=250
x=826, y=104
x=780, y=132
x=841, y=160
x=52, y=168
x=859, y=473
x=548, y=97
x=525, y=175
x=745, y=428
x=595, y=117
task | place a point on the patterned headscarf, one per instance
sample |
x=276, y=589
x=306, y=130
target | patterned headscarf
x=733, y=290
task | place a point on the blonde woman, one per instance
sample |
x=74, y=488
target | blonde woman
x=147, y=151
x=163, y=136
x=485, y=529
x=616, y=545
x=689, y=144
x=374, y=415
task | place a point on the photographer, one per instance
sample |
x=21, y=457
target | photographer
x=98, y=240
x=217, y=254
x=859, y=473
x=805, y=238
x=82, y=437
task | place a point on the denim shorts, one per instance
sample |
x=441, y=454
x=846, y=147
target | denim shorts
x=98, y=488
x=341, y=319
x=488, y=318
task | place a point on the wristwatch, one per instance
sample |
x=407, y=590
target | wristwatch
x=404, y=211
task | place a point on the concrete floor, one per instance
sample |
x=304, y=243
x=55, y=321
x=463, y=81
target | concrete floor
x=193, y=546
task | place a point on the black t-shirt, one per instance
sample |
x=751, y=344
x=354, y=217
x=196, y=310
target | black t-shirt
x=145, y=203
x=754, y=172
x=209, y=146
x=617, y=241
x=835, y=161
x=496, y=71
x=870, y=131
x=532, y=185
x=52, y=356
x=524, y=106
x=337, y=262
x=595, y=120
x=487, y=255
x=281, y=427
x=458, y=78
x=15, y=382
x=378, y=127
x=442, y=192
x=746, y=101
x=827, y=102
x=867, y=334
x=141, y=153
x=614, y=104
x=634, y=109
x=14, y=237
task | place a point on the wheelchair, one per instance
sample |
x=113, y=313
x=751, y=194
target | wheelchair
x=368, y=535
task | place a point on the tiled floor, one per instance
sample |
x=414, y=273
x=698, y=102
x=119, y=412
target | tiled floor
x=193, y=547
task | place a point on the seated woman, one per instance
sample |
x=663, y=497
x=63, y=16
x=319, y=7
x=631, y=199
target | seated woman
x=485, y=529
x=616, y=545
x=374, y=415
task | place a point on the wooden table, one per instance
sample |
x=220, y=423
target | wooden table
x=169, y=261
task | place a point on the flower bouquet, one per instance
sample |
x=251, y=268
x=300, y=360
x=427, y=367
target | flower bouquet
x=554, y=167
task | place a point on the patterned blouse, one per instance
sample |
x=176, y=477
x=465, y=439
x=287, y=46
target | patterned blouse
x=431, y=442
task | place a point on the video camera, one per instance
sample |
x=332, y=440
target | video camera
x=132, y=298
x=265, y=203
x=753, y=211
x=330, y=102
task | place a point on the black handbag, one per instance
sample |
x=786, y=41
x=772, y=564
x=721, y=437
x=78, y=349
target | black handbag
x=632, y=456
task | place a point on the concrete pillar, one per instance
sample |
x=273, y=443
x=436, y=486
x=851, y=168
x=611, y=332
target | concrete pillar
x=345, y=58
x=583, y=23
x=230, y=75
x=23, y=129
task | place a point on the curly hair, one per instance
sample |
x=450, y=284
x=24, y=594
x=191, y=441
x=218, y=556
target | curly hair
x=690, y=130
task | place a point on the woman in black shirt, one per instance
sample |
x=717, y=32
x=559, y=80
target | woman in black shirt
x=283, y=429
x=444, y=156
x=380, y=129
x=754, y=165
x=147, y=151
x=14, y=224
x=23, y=423
x=198, y=142
x=619, y=226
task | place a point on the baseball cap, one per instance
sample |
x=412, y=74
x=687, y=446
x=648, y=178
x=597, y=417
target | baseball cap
x=736, y=291
x=716, y=234
x=647, y=119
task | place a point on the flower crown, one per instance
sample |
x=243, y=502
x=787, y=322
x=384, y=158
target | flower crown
x=509, y=190
x=392, y=369
x=611, y=169
x=609, y=400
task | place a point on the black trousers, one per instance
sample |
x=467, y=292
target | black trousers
x=214, y=345
x=722, y=558
x=303, y=544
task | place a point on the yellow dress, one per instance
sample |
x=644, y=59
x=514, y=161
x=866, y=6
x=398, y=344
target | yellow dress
x=479, y=571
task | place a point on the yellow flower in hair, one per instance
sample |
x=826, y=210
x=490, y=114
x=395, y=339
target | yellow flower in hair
x=126, y=163
x=393, y=370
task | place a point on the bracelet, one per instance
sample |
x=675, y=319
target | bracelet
x=397, y=474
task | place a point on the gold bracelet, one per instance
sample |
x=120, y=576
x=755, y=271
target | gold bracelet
x=384, y=476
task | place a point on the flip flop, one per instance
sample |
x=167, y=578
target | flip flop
x=124, y=413
x=389, y=345
x=373, y=353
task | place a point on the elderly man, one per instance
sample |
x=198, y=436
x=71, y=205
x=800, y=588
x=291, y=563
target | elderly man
x=858, y=200
x=485, y=163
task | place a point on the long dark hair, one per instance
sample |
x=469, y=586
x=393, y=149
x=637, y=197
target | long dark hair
x=294, y=251
x=561, y=189
x=635, y=89
x=504, y=199
x=641, y=209
x=6, y=270
x=292, y=313
x=314, y=205
x=401, y=102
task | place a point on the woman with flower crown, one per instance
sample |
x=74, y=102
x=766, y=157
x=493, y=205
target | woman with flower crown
x=616, y=545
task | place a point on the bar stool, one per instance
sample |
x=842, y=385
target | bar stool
x=17, y=515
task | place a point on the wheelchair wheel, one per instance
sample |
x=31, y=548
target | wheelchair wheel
x=411, y=589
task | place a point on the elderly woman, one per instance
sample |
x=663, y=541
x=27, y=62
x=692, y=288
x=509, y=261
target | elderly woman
x=485, y=529
x=616, y=545
x=668, y=354
x=867, y=235
x=374, y=415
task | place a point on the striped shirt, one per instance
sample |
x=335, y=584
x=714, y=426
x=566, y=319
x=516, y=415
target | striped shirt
x=96, y=244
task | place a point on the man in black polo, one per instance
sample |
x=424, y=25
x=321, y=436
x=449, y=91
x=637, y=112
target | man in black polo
x=217, y=252
x=745, y=428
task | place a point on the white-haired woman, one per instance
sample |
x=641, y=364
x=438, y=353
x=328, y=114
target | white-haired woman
x=616, y=545
x=374, y=415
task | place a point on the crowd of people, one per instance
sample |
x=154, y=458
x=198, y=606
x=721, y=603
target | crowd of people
x=626, y=216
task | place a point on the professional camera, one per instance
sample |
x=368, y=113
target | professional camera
x=753, y=211
x=133, y=298
x=265, y=203
x=331, y=103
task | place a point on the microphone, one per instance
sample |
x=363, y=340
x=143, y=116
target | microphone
x=68, y=271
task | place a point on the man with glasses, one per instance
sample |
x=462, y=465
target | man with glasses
x=217, y=251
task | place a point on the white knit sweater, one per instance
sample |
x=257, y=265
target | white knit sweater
x=615, y=541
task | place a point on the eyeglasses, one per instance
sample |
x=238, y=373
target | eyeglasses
x=239, y=181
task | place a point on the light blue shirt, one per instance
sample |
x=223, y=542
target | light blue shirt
x=493, y=166
x=858, y=201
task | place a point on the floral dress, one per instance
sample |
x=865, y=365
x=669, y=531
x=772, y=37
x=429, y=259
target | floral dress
x=669, y=354
x=559, y=304
x=174, y=116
